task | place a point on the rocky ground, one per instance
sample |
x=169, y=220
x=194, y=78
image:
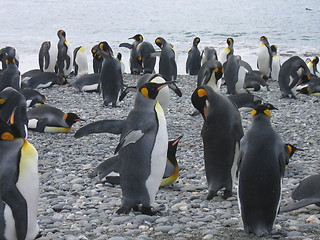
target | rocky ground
x=74, y=206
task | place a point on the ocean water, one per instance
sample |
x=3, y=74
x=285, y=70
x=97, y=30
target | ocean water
x=293, y=25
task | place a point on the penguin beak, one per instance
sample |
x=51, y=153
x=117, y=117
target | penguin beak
x=162, y=85
x=298, y=149
x=175, y=88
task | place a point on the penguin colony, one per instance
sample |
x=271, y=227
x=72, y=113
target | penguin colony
x=145, y=158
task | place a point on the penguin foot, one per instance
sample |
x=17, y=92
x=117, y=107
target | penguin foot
x=211, y=194
x=123, y=210
x=148, y=211
x=227, y=194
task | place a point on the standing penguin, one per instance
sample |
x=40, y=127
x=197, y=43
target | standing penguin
x=80, y=62
x=291, y=73
x=312, y=65
x=119, y=57
x=227, y=51
x=19, y=189
x=135, y=66
x=6, y=52
x=11, y=75
x=48, y=56
x=261, y=168
x=210, y=74
x=167, y=62
x=275, y=68
x=207, y=54
x=145, y=57
x=221, y=134
x=111, y=79
x=264, y=62
x=64, y=57
x=97, y=59
x=193, y=63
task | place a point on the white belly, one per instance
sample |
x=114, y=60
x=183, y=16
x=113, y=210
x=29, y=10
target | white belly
x=264, y=60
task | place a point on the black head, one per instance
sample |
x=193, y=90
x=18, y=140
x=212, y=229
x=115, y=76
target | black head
x=10, y=60
x=172, y=149
x=291, y=150
x=315, y=60
x=273, y=48
x=119, y=56
x=8, y=132
x=160, y=42
x=263, y=109
x=71, y=118
x=104, y=46
x=150, y=90
x=61, y=33
x=230, y=41
x=196, y=41
x=199, y=100
x=137, y=37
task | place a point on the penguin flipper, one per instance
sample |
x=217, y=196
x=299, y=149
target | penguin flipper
x=155, y=54
x=299, y=204
x=126, y=91
x=175, y=71
x=14, y=199
x=246, y=66
x=131, y=137
x=126, y=45
x=110, y=165
x=103, y=126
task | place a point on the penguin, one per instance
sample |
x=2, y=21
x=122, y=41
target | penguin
x=111, y=79
x=45, y=118
x=64, y=57
x=33, y=97
x=145, y=56
x=312, y=65
x=19, y=190
x=307, y=193
x=88, y=83
x=44, y=80
x=253, y=82
x=48, y=56
x=275, y=67
x=210, y=74
x=291, y=73
x=119, y=57
x=221, y=134
x=207, y=54
x=5, y=53
x=245, y=100
x=11, y=101
x=235, y=72
x=29, y=74
x=193, y=63
x=264, y=61
x=97, y=59
x=312, y=87
x=227, y=51
x=261, y=168
x=290, y=149
x=11, y=75
x=135, y=66
x=167, y=62
x=80, y=62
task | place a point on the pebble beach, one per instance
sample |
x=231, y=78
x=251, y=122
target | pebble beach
x=74, y=206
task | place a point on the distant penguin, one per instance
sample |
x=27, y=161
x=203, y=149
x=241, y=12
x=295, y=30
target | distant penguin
x=253, y=82
x=264, y=61
x=19, y=185
x=135, y=65
x=245, y=100
x=227, y=51
x=261, y=169
x=119, y=57
x=45, y=118
x=312, y=65
x=312, y=87
x=307, y=193
x=275, y=67
x=207, y=54
x=234, y=74
x=97, y=59
x=87, y=83
x=44, y=80
x=80, y=62
x=210, y=74
x=291, y=73
x=29, y=74
x=290, y=149
x=167, y=62
x=193, y=63
x=48, y=56
x=13, y=108
x=33, y=97
x=221, y=134
x=6, y=52
x=145, y=56
x=11, y=75
x=111, y=79
x=64, y=57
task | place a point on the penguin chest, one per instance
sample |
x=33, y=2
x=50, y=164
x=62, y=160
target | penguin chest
x=53, y=53
x=275, y=68
x=264, y=60
x=158, y=155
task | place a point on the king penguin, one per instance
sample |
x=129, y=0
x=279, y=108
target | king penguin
x=80, y=62
x=11, y=75
x=221, y=134
x=210, y=74
x=312, y=65
x=207, y=54
x=275, y=68
x=167, y=62
x=6, y=52
x=97, y=59
x=227, y=51
x=45, y=118
x=64, y=57
x=193, y=63
x=48, y=56
x=261, y=168
x=264, y=61
x=111, y=79
x=19, y=190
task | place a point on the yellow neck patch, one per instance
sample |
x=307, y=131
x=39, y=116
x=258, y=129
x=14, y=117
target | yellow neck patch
x=201, y=93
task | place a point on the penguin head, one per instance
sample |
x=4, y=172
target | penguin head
x=72, y=118
x=151, y=89
x=273, y=48
x=61, y=33
x=172, y=149
x=119, y=56
x=10, y=60
x=264, y=40
x=315, y=60
x=137, y=37
x=230, y=42
x=263, y=109
x=290, y=149
x=196, y=41
x=105, y=47
x=8, y=132
x=160, y=42
x=199, y=100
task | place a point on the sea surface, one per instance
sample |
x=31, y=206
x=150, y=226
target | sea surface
x=292, y=25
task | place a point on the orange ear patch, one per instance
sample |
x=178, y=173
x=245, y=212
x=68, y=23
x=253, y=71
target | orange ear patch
x=201, y=92
x=7, y=136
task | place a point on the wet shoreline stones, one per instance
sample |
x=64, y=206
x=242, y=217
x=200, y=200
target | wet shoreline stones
x=74, y=206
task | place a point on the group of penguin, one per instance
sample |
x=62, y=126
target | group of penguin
x=144, y=144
